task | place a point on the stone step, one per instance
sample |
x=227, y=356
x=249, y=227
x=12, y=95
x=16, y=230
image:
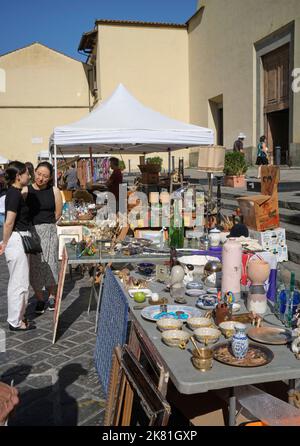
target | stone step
x=283, y=186
x=293, y=251
x=286, y=268
x=292, y=232
x=291, y=203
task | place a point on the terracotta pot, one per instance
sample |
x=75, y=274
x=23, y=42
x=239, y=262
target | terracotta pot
x=258, y=271
x=234, y=181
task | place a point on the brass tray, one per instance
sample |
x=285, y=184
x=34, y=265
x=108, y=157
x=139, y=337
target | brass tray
x=270, y=335
x=257, y=356
x=244, y=318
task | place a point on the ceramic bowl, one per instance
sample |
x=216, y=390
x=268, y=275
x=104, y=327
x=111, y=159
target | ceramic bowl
x=194, y=286
x=207, y=335
x=168, y=323
x=227, y=328
x=199, y=322
x=236, y=307
x=146, y=268
x=204, y=362
x=175, y=338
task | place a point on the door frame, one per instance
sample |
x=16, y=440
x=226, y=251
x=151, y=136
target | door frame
x=273, y=41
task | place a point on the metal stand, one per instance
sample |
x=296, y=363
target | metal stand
x=219, y=204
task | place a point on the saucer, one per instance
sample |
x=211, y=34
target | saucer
x=195, y=292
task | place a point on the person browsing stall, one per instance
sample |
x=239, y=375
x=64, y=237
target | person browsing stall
x=45, y=208
x=16, y=225
x=115, y=179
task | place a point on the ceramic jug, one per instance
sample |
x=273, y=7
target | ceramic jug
x=240, y=342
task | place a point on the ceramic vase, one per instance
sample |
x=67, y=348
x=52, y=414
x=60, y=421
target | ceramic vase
x=258, y=272
x=232, y=268
x=240, y=342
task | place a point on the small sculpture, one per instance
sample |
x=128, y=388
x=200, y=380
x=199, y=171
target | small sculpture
x=177, y=287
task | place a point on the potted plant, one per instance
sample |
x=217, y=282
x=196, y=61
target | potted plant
x=152, y=165
x=235, y=168
x=122, y=165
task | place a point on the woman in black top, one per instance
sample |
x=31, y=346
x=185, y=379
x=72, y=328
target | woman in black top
x=45, y=205
x=16, y=224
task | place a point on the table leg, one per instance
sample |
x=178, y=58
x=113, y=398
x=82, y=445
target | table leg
x=291, y=391
x=99, y=299
x=92, y=290
x=232, y=407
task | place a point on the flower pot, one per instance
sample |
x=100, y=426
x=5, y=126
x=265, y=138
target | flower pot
x=235, y=181
x=150, y=168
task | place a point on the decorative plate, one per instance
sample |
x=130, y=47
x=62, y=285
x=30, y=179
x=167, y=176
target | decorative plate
x=270, y=335
x=212, y=291
x=195, y=293
x=207, y=302
x=154, y=313
x=257, y=356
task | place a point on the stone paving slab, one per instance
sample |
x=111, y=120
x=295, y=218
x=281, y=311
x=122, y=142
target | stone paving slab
x=58, y=383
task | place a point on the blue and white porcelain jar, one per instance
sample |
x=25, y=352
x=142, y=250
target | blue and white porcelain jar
x=240, y=342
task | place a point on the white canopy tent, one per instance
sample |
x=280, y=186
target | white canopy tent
x=3, y=160
x=121, y=124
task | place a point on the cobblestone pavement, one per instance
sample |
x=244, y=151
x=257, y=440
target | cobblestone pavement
x=58, y=383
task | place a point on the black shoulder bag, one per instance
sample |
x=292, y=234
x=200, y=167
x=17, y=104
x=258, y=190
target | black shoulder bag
x=31, y=244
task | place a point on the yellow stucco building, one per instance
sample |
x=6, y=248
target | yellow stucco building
x=40, y=89
x=230, y=67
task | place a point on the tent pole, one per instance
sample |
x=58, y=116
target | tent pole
x=55, y=164
x=169, y=160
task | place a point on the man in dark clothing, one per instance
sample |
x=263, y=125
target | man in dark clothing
x=115, y=179
x=238, y=145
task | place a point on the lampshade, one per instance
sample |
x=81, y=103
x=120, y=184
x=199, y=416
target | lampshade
x=211, y=158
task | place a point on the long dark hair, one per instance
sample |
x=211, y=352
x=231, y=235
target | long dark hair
x=262, y=138
x=13, y=169
x=30, y=168
x=50, y=168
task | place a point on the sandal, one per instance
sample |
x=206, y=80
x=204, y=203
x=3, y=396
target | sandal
x=27, y=327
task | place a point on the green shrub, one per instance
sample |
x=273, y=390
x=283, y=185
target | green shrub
x=235, y=164
x=154, y=160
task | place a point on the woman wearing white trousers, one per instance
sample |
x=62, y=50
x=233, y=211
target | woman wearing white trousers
x=16, y=224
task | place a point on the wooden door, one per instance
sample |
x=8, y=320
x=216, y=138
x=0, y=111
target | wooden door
x=276, y=79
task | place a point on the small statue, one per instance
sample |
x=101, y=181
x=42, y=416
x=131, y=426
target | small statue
x=176, y=283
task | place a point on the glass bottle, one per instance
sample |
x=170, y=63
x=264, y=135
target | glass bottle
x=280, y=287
x=288, y=315
x=176, y=229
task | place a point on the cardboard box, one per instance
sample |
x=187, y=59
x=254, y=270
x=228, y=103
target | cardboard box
x=260, y=212
x=273, y=238
x=273, y=241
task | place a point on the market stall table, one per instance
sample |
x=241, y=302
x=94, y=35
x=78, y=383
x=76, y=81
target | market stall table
x=189, y=381
x=101, y=257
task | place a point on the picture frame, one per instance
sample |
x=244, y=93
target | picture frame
x=66, y=235
x=63, y=239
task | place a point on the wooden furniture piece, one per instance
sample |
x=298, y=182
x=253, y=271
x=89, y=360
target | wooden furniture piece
x=128, y=377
